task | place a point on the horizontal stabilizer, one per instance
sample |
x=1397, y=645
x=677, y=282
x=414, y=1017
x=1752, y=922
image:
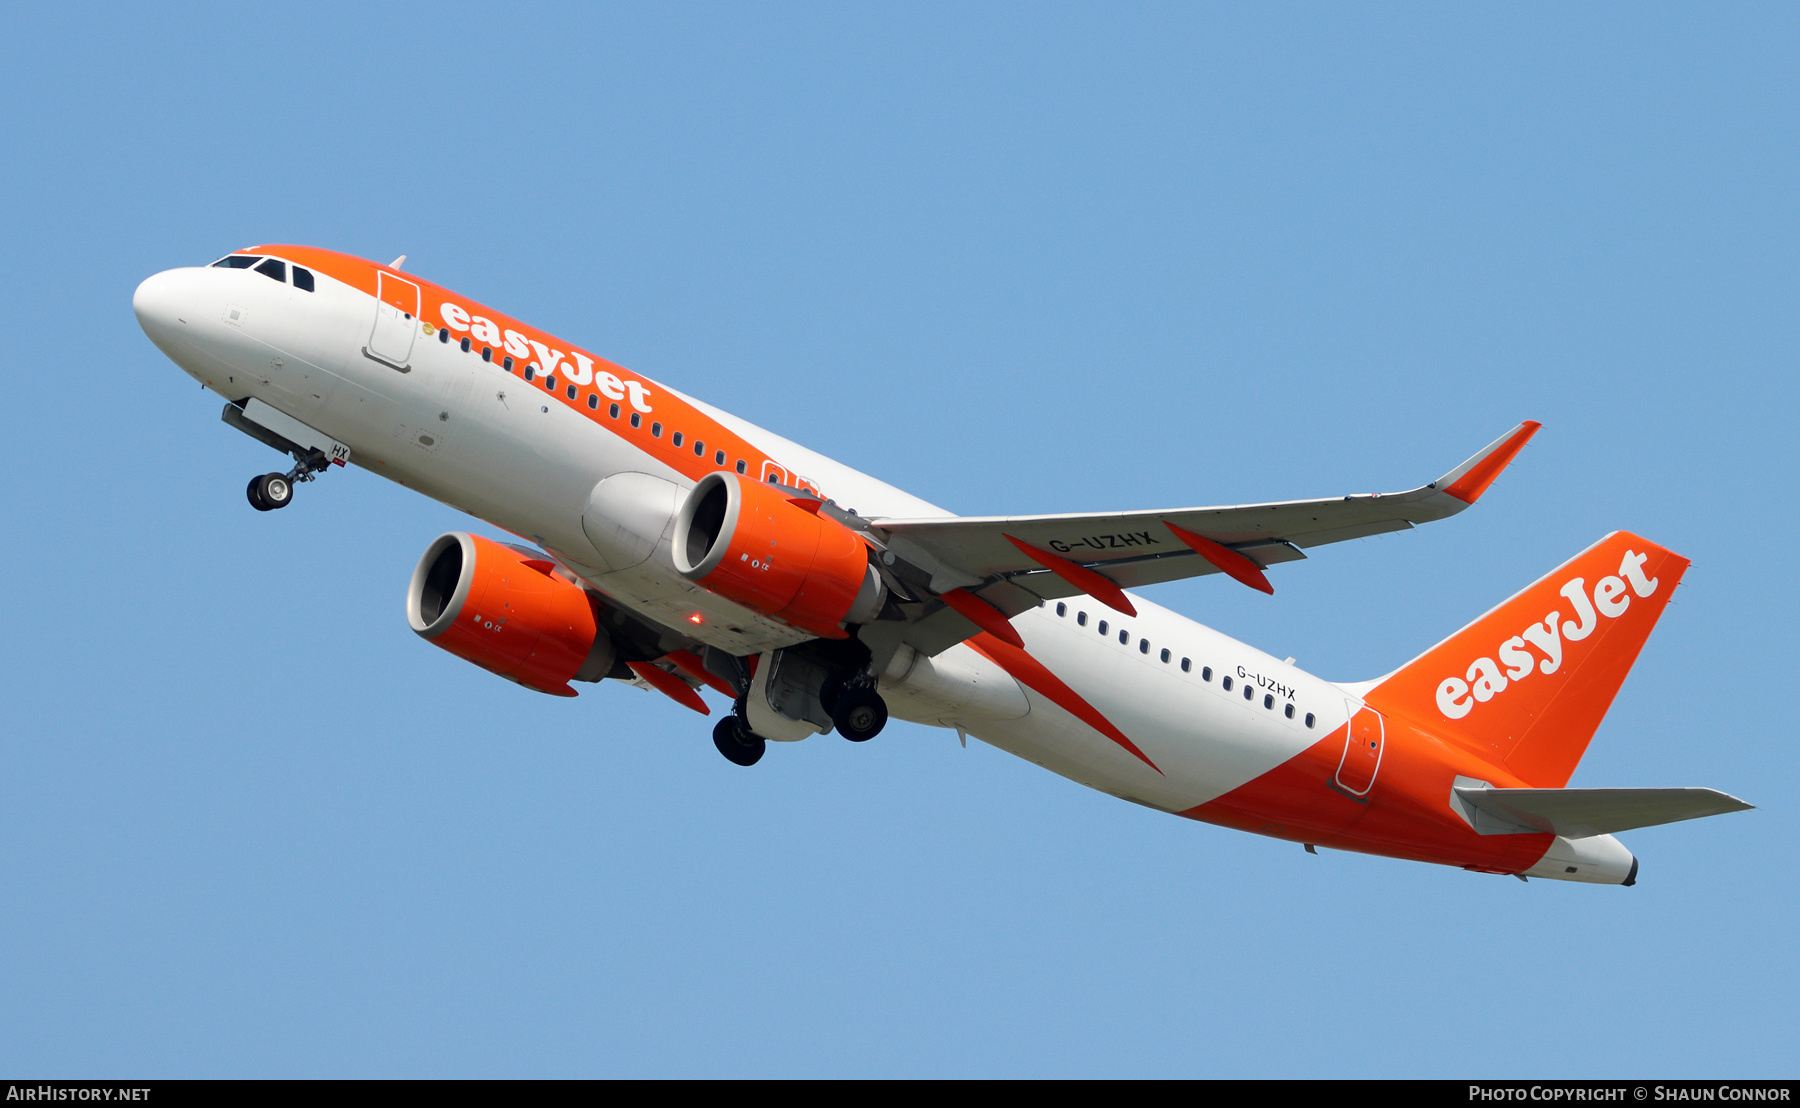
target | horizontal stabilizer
x=1581, y=813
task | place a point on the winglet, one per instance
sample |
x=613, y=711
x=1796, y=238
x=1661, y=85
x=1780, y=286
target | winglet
x=983, y=615
x=670, y=685
x=1224, y=559
x=1468, y=481
x=1094, y=584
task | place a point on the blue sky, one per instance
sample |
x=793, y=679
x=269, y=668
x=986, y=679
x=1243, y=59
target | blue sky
x=1048, y=258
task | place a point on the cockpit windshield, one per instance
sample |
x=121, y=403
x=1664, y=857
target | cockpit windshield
x=273, y=268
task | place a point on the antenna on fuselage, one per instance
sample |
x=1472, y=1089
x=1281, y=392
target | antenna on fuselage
x=397, y=262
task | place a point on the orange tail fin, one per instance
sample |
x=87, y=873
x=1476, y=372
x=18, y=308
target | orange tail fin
x=1526, y=685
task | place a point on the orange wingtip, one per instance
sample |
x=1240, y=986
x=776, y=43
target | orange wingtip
x=983, y=615
x=1469, y=487
x=1094, y=584
x=671, y=686
x=1224, y=559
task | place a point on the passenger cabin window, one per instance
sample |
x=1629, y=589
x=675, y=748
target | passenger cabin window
x=655, y=430
x=1187, y=665
x=719, y=458
x=303, y=279
x=570, y=392
x=1103, y=627
x=274, y=269
x=1165, y=655
x=487, y=353
x=1268, y=701
x=1206, y=674
x=636, y=419
x=1225, y=683
x=699, y=448
x=593, y=401
x=614, y=412
x=506, y=363
x=741, y=466
x=465, y=350
x=1290, y=711
x=1249, y=693
x=1124, y=638
x=1061, y=608
x=235, y=261
x=444, y=335
x=1081, y=619
x=675, y=438
x=1309, y=719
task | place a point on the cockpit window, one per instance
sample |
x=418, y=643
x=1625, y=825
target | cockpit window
x=303, y=279
x=235, y=261
x=275, y=269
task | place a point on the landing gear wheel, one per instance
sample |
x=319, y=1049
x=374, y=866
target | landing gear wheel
x=740, y=745
x=274, y=490
x=256, y=500
x=860, y=714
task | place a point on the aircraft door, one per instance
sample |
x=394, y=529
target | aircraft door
x=1363, y=742
x=396, y=320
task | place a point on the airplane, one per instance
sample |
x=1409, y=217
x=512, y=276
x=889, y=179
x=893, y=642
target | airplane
x=661, y=542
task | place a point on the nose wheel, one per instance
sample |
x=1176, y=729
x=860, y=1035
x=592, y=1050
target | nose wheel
x=276, y=490
x=270, y=491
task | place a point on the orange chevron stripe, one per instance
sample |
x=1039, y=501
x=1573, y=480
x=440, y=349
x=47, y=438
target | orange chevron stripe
x=1034, y=673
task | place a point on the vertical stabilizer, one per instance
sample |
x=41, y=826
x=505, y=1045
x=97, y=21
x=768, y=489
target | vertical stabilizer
x=1527, y=684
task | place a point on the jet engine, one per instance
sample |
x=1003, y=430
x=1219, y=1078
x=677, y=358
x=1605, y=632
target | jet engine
x=507, y=611
x=766, y=549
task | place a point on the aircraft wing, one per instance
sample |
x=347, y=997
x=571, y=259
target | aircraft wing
x=1013, y=562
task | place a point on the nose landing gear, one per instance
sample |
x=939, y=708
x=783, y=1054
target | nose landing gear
x=270, y=491
x=276, y=490
x=313, y=451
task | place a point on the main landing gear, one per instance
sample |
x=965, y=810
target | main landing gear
x=857, y=712
x=740, y=745
x=276, y=490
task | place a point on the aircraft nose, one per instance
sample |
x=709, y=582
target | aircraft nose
x=158, y=304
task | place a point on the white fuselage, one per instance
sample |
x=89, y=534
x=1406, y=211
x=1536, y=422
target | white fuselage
x=472, y=435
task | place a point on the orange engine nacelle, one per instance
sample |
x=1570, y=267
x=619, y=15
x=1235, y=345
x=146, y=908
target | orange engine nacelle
x=508, y=612
x=773, y=552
